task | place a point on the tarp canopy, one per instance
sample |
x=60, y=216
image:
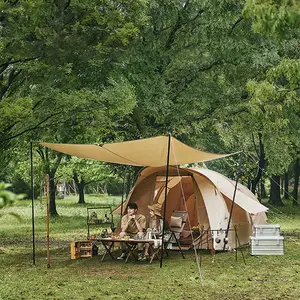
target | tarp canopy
x=144, y=152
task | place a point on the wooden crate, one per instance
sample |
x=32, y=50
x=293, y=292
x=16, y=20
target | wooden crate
x=80, y=249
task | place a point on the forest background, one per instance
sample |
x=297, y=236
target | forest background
x=220, y=75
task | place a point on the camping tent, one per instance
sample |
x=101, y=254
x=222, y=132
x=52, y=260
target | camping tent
x=207, y=196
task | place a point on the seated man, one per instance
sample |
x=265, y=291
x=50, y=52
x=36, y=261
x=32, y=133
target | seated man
x=132, y=224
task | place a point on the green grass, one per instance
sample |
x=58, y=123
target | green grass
x=264, y=277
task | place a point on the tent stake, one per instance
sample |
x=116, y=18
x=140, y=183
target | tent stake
x=165, y=202
x=32, y=202
x=233, y=199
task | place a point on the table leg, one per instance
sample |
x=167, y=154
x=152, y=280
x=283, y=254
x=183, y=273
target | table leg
x=155, y=252
x=131, y=248
x=107, y=250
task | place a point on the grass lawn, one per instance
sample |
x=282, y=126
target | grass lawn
x=264, y=277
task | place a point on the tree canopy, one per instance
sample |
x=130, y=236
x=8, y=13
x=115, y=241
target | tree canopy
x=219, y=75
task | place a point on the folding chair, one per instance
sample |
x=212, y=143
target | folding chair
x=178, y=220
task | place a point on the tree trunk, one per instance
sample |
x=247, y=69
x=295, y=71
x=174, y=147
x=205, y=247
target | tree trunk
x=51, y=171
x=249, y=183
x=263, y=189
x=52, y=191
x=74, y=187
x=296, y=182
x=261, y=165
x=286, y=186
x=275, y=198
x=80, y=186
x=81, y=192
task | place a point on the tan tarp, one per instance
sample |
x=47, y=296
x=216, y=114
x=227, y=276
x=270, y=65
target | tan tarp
x=144, y=152
x=208, y=197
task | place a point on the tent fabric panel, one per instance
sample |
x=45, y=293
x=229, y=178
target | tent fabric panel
x=241, y=221
x=174, y=201
x=143, y=195
x=216, y=209
x=259, y=218
x=172, y=182
x=226, y=187
x=239, y=215
x=201, y=212
x=187, y=200
x=142, y=186
x=192, y=212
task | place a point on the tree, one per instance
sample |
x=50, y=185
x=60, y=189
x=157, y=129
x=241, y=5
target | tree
x=273, y=18
x=273, y=122
x=85, y=172
x=7, y=198
x=56, y=61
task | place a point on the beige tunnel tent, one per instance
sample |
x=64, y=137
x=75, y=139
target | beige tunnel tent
x=207, y=195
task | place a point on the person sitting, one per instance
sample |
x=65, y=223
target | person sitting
x=155, y=226
x=132, y=224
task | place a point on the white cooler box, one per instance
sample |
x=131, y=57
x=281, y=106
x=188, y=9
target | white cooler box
x=267, y=245
x=266, y=230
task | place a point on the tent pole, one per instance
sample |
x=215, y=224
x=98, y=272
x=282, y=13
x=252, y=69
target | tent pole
x=233, y=199
x=47, y=220
x=123, y=189
x=165, y=202
x=32, y=202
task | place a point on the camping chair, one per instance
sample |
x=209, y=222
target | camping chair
x=178, y=220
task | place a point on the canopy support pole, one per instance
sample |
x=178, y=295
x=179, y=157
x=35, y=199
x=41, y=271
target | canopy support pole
x=32, y=202
x=47, y=220
x=123, y=189
x=165, y=202
x=233, y=199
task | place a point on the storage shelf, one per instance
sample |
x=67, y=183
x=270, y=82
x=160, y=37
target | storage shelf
x=81, y=249
x=96, y=218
